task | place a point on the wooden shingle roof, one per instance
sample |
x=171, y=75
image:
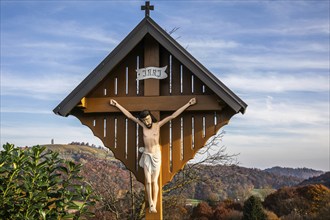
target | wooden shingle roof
x=149, y=26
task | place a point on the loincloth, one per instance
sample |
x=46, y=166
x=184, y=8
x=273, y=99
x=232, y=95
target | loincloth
x=151, y=161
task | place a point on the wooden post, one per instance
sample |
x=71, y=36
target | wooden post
x=151, y=88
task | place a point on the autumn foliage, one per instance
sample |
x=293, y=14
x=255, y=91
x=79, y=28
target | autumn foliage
x=311, y=200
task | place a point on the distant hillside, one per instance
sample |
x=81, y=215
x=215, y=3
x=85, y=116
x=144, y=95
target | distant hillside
x=73, y=151
x=111, y=181
x=237, y=183
x=302, y=173
x=324, y=179
x=215, y=182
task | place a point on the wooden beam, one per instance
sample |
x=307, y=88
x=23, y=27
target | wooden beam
x=160, y=103
x=151, y=58
x=151, y=88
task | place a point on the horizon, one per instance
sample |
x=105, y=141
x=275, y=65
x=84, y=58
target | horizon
x=191, y=161
x=273, y=54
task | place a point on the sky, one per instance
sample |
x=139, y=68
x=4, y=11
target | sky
x=273, y=54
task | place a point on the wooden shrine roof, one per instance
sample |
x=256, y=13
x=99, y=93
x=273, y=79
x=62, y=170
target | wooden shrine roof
x=145, y=27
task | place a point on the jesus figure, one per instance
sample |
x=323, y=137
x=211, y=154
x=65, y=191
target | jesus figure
x=151, y=156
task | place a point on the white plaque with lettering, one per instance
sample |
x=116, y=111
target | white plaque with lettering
x=151, y=72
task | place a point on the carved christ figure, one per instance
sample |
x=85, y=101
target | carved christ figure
x=151, y=155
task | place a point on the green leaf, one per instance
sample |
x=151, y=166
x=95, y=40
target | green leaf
x=69, y=216
x=63, y=169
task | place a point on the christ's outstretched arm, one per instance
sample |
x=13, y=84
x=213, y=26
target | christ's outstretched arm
x=177, y=112
x=127, y=113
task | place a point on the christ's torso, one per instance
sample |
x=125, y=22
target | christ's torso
x=151, y=138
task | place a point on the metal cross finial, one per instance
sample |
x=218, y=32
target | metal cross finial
x=147, y=7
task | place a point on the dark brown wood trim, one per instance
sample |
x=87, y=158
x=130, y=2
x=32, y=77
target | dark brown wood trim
x=154, y=103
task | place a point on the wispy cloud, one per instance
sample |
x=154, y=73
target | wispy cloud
x=284, y=113
x=272, y=56
x=38, y=86
x=215, y=44
x=75, y=30
x=271, y=82
x=24, y=110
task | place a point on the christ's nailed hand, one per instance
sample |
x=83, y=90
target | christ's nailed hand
x=192, y=101
x=113, y=102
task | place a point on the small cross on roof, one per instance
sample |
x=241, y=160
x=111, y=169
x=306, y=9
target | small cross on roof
x=147, y=7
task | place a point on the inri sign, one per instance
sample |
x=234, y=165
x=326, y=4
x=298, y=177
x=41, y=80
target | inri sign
x=151, y=72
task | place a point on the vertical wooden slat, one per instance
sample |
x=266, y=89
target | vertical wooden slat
x=110, y=138
x=131, y=145
x=186, y=81
x=188, y=151
x=140, y=174
x=176, y=140
x=131, y=64
x=121, y=76
x=98, y=128
x=109, y=84
x=120, y=151
x=199, y=140
x=198, y=87
x=131, y=79
x=210, y=128
x=175, y=76
x=165, y=137
x=141, y=82
x=151, y=58
x=164, y=61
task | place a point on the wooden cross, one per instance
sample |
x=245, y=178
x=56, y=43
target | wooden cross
x=180, y=139
x=150, y=47
x=147, y=7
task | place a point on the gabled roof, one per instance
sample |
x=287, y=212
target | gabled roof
x=149, y=26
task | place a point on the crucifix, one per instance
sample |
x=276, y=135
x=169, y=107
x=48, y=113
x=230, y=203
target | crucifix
x=151, y=152
x=179, y=139
x=147, y=7
x=134, y=76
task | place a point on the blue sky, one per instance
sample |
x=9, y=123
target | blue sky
x=273, y=54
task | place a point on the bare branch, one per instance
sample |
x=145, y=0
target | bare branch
x=210, y=155
x=173, y=30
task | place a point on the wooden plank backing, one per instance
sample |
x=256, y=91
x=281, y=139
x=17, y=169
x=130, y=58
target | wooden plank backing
x=166, y=103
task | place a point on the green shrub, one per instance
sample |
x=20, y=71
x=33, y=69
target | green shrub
x=252, y=209
x=35, y=184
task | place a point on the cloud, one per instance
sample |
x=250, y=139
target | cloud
x=77, y=31
x=297, y=28
x=284, y=114
x=24, y=110
x=38, y=86
x=49, y=53
x=266, y=55
x=272, y=82
x=215, y=44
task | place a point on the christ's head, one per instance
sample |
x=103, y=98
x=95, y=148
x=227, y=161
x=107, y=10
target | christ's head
x=147, y=118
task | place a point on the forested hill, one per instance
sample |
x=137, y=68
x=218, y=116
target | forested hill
x=324, y=179
x=302, y=173
x=221, y=182
x=215, y=184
